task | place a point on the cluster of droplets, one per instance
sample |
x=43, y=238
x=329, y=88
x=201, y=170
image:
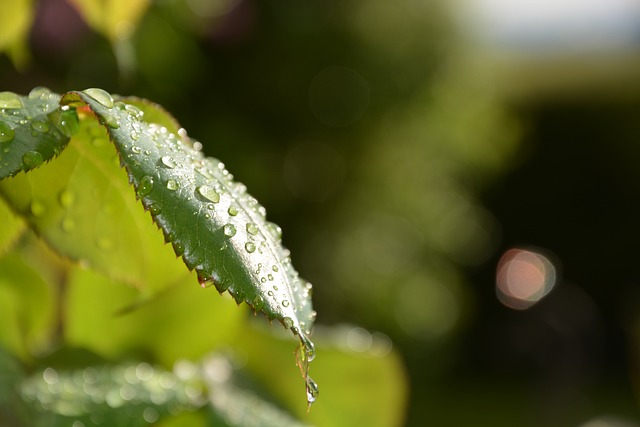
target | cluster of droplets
x=135, y=390
x=33, y=115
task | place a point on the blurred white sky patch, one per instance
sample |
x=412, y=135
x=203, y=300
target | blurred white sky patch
x=553, y=25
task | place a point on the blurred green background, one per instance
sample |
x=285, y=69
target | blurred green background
x=404, y=147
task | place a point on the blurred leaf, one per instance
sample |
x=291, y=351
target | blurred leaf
x=366, y=387
x=11, y=227
x=115, y=19
x=184, y=321
x=15, y=21
x=217, y=228
x=32, y=130
x=85, y=209
x=27, y=315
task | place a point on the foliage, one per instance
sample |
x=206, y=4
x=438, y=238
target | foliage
x=98, y=277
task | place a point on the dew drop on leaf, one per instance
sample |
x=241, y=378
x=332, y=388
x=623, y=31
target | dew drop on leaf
x=233, y=211
x=250, y=247
x=155, y=208
x=37, y=208
x=68, y=123
x=209, y=193
x=40, y=126
x=39, y=93
x=101, y=96
x=6, y=133
x=168, y=162
x=145, y=186
x=31, y=159
x=172, y=185
x=252, y=228
x=66, y=198
x=229, y=230
x=10, y=100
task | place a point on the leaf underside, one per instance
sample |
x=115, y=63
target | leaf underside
x=218, y=229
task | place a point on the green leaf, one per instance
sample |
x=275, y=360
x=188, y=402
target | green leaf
x=83, y=206
x=106, y=317
x=32, y=130
x=115, y=19
x=11, y=227
x=15, y=20
x=27, y=315
x=217, y=228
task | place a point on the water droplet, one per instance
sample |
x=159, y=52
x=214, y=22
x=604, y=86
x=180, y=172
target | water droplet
x=250, y=247
x=210, y=206
x=229, y=230
x=287, y=322
x=309, y=348
x=233, y=211
x=275, y=230
x=155, y=208
x=168, y=162
x=10, y=100
x=270, y=293
x=275, y=268
x=40, y=126
x=145, y=186
x=270, y=276
x=172, y=185
x=37, y=208
x=101, y=96
x=252, y=228
x=6, y=133
x=111, y=121
x=312, y=391
x=136, y=149
x=39, y=93
x=31, y=159
x=66, y=198
x=67, y=225
x=209, y=193
x=68, y=122
x=285, y=303
x=263, y=280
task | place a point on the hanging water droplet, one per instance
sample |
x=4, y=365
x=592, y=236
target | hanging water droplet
x=10, y=100
x=250, y=247
x=101, y=96
x=40, y=126
x=37, y=208
x=233, y=211
x=6, y=133
x=229, y=230
x=287, y=322
x=66, y=198
x=312, y=391
x=155, y=208
x=209, y=193
x=31, y=159
x=168, y=162
x=252, y=228
x=172, y=185
x=145, y=186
